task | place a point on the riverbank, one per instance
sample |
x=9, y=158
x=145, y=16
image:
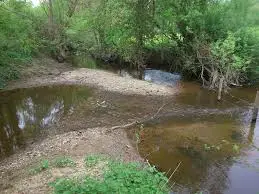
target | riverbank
x=53, y=73
x=85, y=131
x=188, y=128
x=114, y=101
x=15, y=176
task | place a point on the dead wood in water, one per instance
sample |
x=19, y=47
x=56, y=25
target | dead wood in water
x=137, y=122
x=220, y=88
x=215, y=74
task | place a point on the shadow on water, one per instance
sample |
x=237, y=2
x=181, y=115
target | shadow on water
x=24, y=113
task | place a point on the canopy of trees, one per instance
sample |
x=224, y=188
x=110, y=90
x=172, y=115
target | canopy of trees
x=215, y=41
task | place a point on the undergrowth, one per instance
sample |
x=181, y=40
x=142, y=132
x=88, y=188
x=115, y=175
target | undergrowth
x=44, y=165
x=7, y=73
x=92, y=160
x=64, y=161
x=59, y=162
x=119, y=177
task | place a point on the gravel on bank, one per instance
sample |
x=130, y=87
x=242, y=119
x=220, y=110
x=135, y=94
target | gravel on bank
x=99, y=79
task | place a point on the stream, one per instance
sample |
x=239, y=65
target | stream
x=203, y=145
x=212, y=149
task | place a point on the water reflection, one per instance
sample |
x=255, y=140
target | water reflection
x=244, y=173
x=218, y=150
x=179, y=140
x=25, y=112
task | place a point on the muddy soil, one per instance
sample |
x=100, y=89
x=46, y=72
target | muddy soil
x=15, y=176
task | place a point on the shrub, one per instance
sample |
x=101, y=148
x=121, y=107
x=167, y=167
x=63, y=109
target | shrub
x=17, y=38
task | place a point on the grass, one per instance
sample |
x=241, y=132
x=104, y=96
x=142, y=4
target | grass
x=92, y=160
x=64, y=161
x=59, y=162
x=84, y=61
x=118, y=177
x=44, y=165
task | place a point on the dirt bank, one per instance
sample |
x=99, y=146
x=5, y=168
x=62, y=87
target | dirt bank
x=51, y=72
x=87, y=131
x=15, y=178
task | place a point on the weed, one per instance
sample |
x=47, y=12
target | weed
x=212, y=147
x=44, y=165
x=85, y=61
x=118, y=178
x=137, y=137
x=236, y=148
x=7, y=73
x=62, y=162
x=92, y=160
x=218, y=147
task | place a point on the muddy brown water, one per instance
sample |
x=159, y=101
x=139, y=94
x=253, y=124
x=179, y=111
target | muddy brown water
x=214, y=143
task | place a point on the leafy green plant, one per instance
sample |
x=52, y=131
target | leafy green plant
x=236, y=148
x=181, y=35
x=17, y=38
x=212, y=147
x=44, y=165
x=85, y=61
x=92, y=160
x=62, y=162
x=120, y=177
x=7, y=73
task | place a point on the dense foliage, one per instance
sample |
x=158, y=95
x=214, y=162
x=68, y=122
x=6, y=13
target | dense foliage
x=216, y=42
x=17, y=37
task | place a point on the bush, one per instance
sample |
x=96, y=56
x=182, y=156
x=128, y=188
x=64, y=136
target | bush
x=17, y=38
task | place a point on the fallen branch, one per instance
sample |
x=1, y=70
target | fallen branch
x=172, y=174
x=125, y=126
x=137, y=122
x=154, y=116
